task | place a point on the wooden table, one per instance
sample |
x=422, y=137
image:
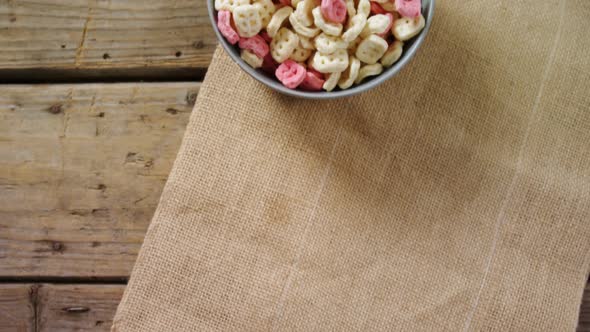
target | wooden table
x=83, y=156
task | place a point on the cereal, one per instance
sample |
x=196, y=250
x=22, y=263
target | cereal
x=251, y=59
x=277, y=20
x=407, y=28
x=229, y=5
x=256, y=44
x=378, y=24
x=291, y=74
x=352, y=72
x=283, y=44
x=334, y=10
x=367, y=71
x=224, y=26
x=332, y=81
x=393, y=53
x=334, y=29
x=316, y=45
x=408, y=8
x=327, y=44
x=371, y=49
x=301, y=29
x=330, y=63
x=247, y=19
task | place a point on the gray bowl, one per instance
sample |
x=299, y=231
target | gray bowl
x=410, y=49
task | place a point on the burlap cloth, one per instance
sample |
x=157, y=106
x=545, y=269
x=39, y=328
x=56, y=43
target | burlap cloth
x=455, y=197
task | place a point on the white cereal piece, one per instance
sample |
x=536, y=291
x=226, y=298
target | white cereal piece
x=303, y=12
x=350, y=74
x=407, y=28
x=330, y=63
x=247, y=19
x=393, y=53
x=356, y=24
x=301, y=54
x=350, y=8
x=367, y=71
x=327, y=44
x=250, y=58
x=371, y=49
x=302, y=29
x=294, y=3
x=266, y=8
x=277, y=20
x=283, y=45
x=332, y=81
x=229, y=4
x=364, y=8
x=306, y=43
x=376, y=24
x=334, y=29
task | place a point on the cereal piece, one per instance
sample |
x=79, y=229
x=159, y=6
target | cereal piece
x=303, y=12
x=302, y=29
x=388, y=6
x=358, y=21
x=266, y=8
x=294, y=3
x=350, y=74
x=306, y=43
x=269, y=65
x=332, y=81
x=367, y=71
x=377, y=9
x=256, y=44
x=408, y=8
x=291, y=74
x=285, y=2
x=265, y=36
x=353, y=45
x=330, y=63
x=393, y=53
x=371, y=49
x=314, y=81
x=327, y=44
x=277, y=20
x=250, y=58
x=283, y=44
x=334, y=10
x=225, y=28
x=377, y=24
x=229, y=5
x=247, y=19
x=407, y=28
x=301, y=54
x=334, y=29
x=350, y=8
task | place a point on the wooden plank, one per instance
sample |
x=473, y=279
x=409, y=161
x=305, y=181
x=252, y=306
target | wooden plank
x=584, y=322
x=81, y=171
x=17, y=310
x=87, y=37
x=77, y=307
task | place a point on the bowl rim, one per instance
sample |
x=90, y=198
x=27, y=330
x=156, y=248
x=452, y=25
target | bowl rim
x=427, y=12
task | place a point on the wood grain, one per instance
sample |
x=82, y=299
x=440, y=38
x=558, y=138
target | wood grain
x=17, y=309
x=81, y=171
x=103, y=37
x=77, y=307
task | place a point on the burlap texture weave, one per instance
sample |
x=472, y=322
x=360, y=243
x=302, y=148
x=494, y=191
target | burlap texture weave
x=455, y=197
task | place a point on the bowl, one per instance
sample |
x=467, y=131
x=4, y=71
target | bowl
x=410, y=49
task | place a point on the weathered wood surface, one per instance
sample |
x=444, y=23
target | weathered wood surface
x=48, y=307
x=81, y=171
x=79, y=38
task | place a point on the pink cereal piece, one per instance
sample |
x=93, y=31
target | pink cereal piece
x=285, y=2
x=377, y=9
x=408, y=8
x=265, y=36
x=269, y=65
x=334, y=10
x=313, y=81
x=291, y=74
x=224, y=26
x=390, y=15
x=255, y=44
